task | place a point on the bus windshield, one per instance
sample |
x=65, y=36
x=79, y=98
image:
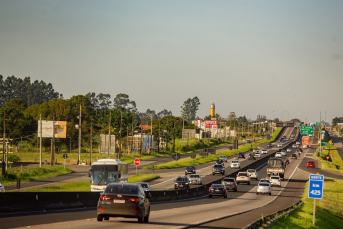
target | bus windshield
x=104, y=174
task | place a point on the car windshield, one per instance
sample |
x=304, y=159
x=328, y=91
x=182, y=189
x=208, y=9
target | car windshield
x=190, y=167
x=264, y=180
x=144, y=185
x=311, y=162
x=181, y=179
x=218, y=166
x=195, y=176
x=235, y=161
x=263, y=184
x=229, y=180
x=251, y=170
x=275, y=178
x=242, y=174
x=122, y=189
x=293, y=154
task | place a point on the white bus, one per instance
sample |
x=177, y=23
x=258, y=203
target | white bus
x=105, y=171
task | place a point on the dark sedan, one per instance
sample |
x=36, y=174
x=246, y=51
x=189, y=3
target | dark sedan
x=190, y=170
x=251, y=156
x=182, y=182
x=123, y=200
x=217, y=190
x=241, y=155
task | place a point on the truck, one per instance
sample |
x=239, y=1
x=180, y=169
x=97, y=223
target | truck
x=276, y=166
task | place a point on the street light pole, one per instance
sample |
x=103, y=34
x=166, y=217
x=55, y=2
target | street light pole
x=79, y=153
x=3, y=145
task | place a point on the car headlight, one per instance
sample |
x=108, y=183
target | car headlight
x=176, y=183
x=186, y=183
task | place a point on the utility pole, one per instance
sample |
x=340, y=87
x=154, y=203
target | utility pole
x=121, y=120
x=151, y=124
x=167, y=136
x=79, y=148
x=3, y=145
x=174, y=138
x=91, y=143
x=141, y=141
x=127, y=138
x=40, y=141
x=132, y=132
x=109, y=135
x=52, y=163
x=159, y=126
x=183, y=127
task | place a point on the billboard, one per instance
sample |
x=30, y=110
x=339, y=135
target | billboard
x=306, y=140
x=47, y=129
x=207, y=124
x=105, y=144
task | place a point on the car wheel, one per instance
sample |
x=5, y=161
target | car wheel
x=99, y=218
x=256, y=193
x=248, y=183
x=235, y=190
x=146, y=218
x=257, y=179
x=225, y=196
x=106, y=218
x=270, y=193
x=141, y=219
x=213, y=174
x=209, y=196
x=237, y=182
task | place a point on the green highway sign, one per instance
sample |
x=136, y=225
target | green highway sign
x=318, y=123
x=324, y=144
x=306, y=130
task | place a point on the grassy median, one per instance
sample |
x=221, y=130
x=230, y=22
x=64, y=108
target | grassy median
x=329, y=210
x=31, y=174
x=212, y=157
x=84, y=186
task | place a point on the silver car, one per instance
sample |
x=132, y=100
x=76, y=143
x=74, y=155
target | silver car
x=275, y=180
x=195, y=179
x=283, y=152
x=257, y=154
x=252, y=173
x=223, y=158
x=145, y=185
x=289, y=150
x=2, y=187
x=263, y=188
x=264, y=151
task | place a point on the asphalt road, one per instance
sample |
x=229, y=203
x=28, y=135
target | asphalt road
x=176, y=214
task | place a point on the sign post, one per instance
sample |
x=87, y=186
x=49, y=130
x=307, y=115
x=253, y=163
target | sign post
x=315, y=190
x=137, y=162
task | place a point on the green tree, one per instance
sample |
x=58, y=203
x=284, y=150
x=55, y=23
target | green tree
x=122, y=101
x=189, y=108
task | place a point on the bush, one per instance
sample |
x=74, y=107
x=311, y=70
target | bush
x=13, y=158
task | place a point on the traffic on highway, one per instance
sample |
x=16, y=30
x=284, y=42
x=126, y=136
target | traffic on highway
x=234, y=185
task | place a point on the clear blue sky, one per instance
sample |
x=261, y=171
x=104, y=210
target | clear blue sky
x=250, y=57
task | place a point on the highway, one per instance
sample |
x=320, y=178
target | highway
x=176, y=214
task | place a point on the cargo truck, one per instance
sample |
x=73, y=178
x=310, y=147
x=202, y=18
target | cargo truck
x=276, y=166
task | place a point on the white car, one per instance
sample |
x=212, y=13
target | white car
x=294, y=146
x=283, y=153
x=2, y=187
x=305, y=146
x=275, y=180
x=280, y=144
x=252, y=173
x=235, y=164
x=264, y=151
x=278, y=154
x=257, y=155
x=289, y=150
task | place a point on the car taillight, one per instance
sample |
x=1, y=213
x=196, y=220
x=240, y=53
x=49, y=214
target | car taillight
x=247, y=176
x=105, y=198
x=211, y=189
x=238, y=176
x=279, y=180
x=224, y=189
x=133, y=199
x=269, y=187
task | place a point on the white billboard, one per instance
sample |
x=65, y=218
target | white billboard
x=47, y=129
x=105, y=144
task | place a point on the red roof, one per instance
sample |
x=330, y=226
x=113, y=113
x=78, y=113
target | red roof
x=145, y=127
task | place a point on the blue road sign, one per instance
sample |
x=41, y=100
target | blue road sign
x=316, y=185
x=320, y=149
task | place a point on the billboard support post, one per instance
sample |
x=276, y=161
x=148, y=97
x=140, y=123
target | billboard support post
x=40, y=141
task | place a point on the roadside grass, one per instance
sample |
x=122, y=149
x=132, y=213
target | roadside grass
x=334, y=164
x=31, y=174
x=212, y=157
x=329, y=210
x=84, y=186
